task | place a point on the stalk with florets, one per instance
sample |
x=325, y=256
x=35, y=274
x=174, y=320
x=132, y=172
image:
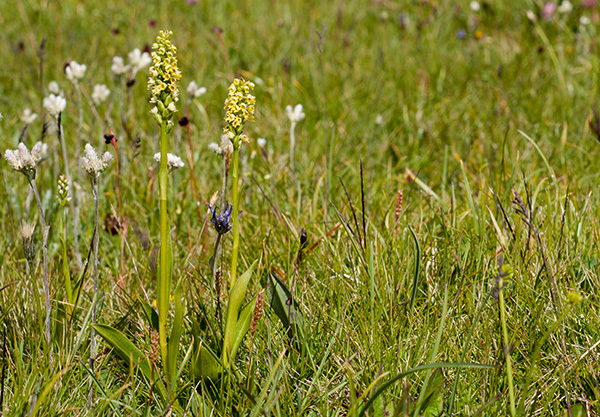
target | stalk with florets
x=163, y=85
x=239, y=109
x=94, y=166
x=26, y=162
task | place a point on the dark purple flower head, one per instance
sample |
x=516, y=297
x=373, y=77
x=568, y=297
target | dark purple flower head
x=461, y=34
x=222, y=222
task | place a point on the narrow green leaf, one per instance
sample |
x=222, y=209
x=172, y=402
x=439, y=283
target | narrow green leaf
x=242, y=326
x=176, y=331
x=415, y=284
x=284, y=306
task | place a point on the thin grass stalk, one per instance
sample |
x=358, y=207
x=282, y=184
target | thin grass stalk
x=506, y=349
x=163, y=282
x=45, y=232
x=236, y=209
x=61, y=139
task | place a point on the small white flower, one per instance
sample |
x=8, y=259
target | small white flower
x=75, y=71
x=295, y=114
x=565, y=7
x=1, y=117
x=100, y=94
x=214, y=146
x=475, y=6
x=92, y=164
x=28, y=116
x=53, y=87
x=262, y=142
x=259, y=81
x=584, y=20
x=118, y=66
x=194, y=91
x=225, y=148
x=138, y=60
x=154, y=110
x=379, y=119
x=173, y=161
x=54, y=104
x=21, y=159
x=531, y=16
x=172, y=107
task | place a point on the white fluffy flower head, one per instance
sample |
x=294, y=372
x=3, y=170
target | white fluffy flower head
x=100, y=94
x=93, y=164
x=173, y=161
x=25, y=161
x=138, y=60
x=28, y=116
x=118, y=66
x=565, y=7
x=55, y=104
x=194, y=91
x=475, y=6
x=53, y=87
x=75, y=71
x=295, y=114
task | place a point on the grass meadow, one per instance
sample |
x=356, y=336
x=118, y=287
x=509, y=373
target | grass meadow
x=419, y=238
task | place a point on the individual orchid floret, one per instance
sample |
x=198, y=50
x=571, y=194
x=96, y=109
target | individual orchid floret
x=163, y=82
x=55, y=104
x=138, y=60
x=63, y=196
x=75, y=71
x=28, y=116
x=100, y=94
x=194, y=91
x=53, y=87
x=295, y=114
x=25, y=161
x=93, y=164
x=173, y=161
x=118, y=66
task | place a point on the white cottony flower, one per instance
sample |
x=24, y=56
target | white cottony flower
x=92, y=163
x=1, y=117
x=584, y=20
x=118, y=66
x=53, y=87
x=55, y=104
x=261, y=142
x=138, y=60
x=214, y=146
x=531, y=16
x=75, y=71
x=475, y=6
x=25, y=161
x=295, y=114
x=379, y=119
x=100, y=94
x=194, y=91
x=173, y=161
x=565, y=7
x=28, y=116
x=225, y=148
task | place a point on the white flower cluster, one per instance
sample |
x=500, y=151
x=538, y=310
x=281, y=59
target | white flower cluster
x=100, y=94
x=75, y=71
x=55, y=104
x=28, y=116
x=295, y=114
x=92, y=163
x=53, y=87
x=173, y=161
x=194, y=91
x=25, y=161
x=225, y=148
x=138, y=60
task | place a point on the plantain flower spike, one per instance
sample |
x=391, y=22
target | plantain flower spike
x=164, y=79
x=239, y=109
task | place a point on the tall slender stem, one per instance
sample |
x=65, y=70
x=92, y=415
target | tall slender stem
x=45, y=231
x=292, y=144
x=511, y=389
x=95, y=273
x=163, y=282
x=236, y=208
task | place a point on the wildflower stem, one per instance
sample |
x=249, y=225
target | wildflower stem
x=45, y=230
x=95, y=273
x=511, y=389
x=163, y=282
x=65, y=262
x=292, y=144
x=236, y=208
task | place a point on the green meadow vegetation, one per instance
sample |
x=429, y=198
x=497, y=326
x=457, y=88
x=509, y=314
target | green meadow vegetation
x=299, y=208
